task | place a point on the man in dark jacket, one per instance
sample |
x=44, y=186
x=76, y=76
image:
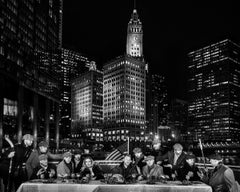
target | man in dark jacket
x=221, y=177
x=138, y=159
x=176, y=159
x=33, y=160
x=43, y=171
x=126, y=169
x=22, y=153
x=5, y=161
x=156, y=149
x=189, y=171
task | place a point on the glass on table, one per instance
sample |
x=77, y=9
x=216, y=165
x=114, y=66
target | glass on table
x=42, y=176
x=73, y=176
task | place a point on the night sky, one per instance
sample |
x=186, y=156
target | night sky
x=171, y=29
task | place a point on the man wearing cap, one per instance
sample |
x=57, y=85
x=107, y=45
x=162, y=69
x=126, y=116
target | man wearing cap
x=138, y=159
x=126, y=169
x=65, y=168
x=22, y=153
x=189, y=171
x=152, y=171
x=221, y=177
x=43, y=171
x=77, y=163
x=157, y=151
x=176, y=159
x=33, y=160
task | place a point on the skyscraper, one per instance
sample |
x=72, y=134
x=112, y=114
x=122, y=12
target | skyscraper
x=157, y=102
x=68, y=64
x=87, y=105
x=26, y=27
x=124, y=80
x=214, y=92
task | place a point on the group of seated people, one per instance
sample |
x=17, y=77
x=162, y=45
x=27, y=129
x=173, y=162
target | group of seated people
x=137, y=167
x=174, y=164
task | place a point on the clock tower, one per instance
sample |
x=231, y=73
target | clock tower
x=135, y=36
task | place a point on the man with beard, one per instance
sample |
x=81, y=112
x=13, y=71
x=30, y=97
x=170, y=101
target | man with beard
x=33, y=160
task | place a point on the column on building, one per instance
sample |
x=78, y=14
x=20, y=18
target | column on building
x=47, y=114
x=35, y=118
x=57, y=115
x=20, y=95
x=1, y=112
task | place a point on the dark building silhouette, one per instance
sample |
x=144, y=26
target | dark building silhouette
x=214, y=92
x=157, y=103
x=29, y=96
x=178, y=119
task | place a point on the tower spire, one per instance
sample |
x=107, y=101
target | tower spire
x=134, y=35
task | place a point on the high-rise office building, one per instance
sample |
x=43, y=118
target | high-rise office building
x=178, y=119
x=26, y=27
x=68, y=64
x=214, y=92
x=124, y=89
x=87, y=105
x=157, y=103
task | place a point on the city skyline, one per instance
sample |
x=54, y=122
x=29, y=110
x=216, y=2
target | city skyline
x=101, y=27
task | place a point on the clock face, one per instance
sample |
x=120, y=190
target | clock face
x=135, y=38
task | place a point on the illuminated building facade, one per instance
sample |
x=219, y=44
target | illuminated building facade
x=87, y=105
x=134, y=45
x=72, y=65
x=124, y=89
x=68, y=64
x=30, y=100
x=157, y=102
x=214, y=92
x=124, y=99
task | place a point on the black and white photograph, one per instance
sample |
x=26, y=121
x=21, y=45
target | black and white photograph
x=129, y=95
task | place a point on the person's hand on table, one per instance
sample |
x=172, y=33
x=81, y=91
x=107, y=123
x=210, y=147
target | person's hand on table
x=200, y=174
x=173, y=176
x=140, y=178
x=11, y=154
x=159, y=162
x=40, y=171
x=168, y=165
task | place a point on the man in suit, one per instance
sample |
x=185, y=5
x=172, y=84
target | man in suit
x=176, y=159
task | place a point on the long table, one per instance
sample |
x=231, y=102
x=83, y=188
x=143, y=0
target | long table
x=97, y=186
